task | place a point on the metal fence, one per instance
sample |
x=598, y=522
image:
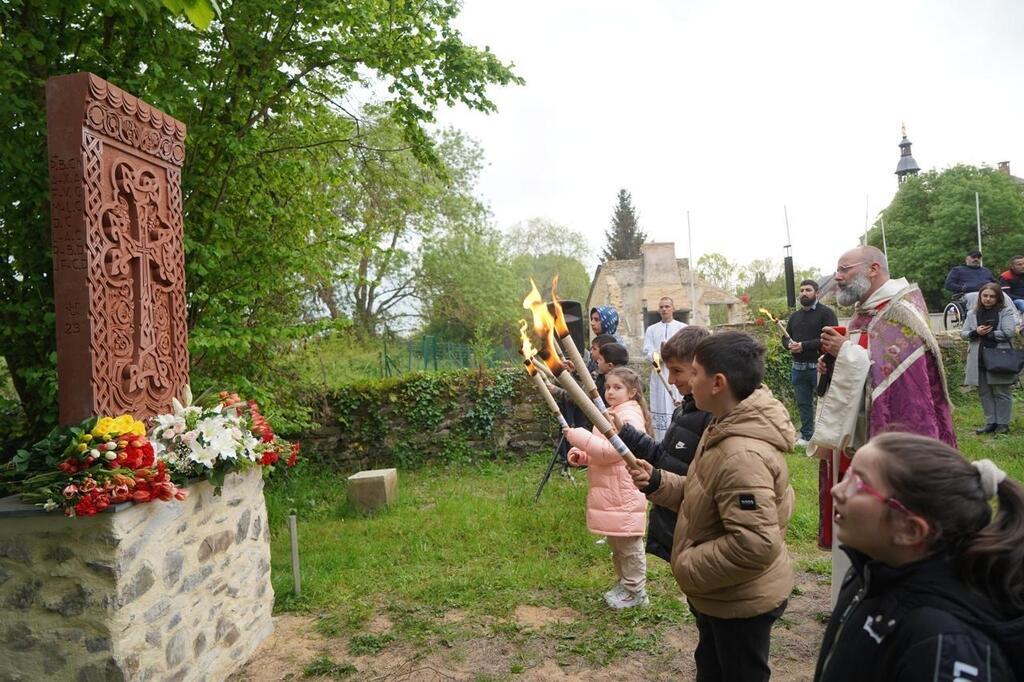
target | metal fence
x=427, y=354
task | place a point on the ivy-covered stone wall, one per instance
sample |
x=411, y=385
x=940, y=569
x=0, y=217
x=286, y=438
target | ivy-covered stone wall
x=471, y=415
x=448, y=416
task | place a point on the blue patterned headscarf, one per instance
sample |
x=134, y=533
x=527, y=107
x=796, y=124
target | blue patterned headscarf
x=609, y=318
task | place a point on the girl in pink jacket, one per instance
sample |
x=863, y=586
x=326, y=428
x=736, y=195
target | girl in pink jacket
x=615, y=507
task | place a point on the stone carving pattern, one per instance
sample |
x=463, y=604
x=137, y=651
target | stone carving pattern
x=92, y=168
x=137, y=297
x=123, y=117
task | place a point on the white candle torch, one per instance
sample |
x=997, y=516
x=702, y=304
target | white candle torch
x=764, y=311
x=656, y=363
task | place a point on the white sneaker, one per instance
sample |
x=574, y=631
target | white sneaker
x=617, y=592
x=802, y=443
x=629, y=599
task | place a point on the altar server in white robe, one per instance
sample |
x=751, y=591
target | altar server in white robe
x=662, y=402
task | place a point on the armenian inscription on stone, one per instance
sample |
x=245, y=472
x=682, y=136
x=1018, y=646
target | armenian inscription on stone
x=118, y=257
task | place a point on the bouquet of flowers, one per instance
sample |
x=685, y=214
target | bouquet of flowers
x=274, y=452
x=84, y=469
x=210, y=442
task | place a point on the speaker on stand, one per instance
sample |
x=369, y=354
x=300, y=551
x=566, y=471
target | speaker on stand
x=575, y=321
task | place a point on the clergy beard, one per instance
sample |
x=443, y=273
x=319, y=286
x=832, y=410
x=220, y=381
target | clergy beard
x=854, y=290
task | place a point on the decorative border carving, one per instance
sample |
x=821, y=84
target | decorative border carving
x=120, y=116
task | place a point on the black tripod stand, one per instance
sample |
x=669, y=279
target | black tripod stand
x=575, y=417
x=559, y=456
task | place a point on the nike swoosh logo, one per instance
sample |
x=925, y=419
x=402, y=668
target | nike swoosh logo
x=680, y=445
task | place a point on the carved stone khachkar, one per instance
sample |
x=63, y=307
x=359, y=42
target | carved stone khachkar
x=118, y=256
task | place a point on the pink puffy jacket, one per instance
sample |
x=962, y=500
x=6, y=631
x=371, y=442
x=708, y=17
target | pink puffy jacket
x=614, y=505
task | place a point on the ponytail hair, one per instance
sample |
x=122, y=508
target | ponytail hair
x=632, y=381
x=934, y=481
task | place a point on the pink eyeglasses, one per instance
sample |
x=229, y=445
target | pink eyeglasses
x=859, y=486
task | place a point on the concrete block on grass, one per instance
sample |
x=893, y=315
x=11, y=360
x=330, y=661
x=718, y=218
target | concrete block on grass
x=373, y=489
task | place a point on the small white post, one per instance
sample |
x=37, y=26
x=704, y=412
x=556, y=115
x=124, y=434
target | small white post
x=294, y=532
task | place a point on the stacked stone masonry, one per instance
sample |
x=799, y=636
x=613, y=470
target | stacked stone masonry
x=159, y=591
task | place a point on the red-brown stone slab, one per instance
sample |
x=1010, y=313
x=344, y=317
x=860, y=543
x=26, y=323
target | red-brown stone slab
x=118, y=251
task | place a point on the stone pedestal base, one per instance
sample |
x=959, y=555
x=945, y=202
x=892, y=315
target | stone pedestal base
x=158, y=591
x=371, y=490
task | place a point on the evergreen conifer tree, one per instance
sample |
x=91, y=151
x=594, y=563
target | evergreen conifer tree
x=624, y=236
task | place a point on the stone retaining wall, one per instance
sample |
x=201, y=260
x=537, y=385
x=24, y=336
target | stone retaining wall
x=158, y=591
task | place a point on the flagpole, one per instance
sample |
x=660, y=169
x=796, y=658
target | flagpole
x=866, y=197
x=977, y=214
x=885, y=247
x=693, y=270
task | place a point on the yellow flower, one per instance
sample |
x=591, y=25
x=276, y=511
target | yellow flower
x=121, y=425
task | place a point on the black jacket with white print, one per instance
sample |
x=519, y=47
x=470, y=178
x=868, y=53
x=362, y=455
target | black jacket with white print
x=674, y=453
x=917, y=622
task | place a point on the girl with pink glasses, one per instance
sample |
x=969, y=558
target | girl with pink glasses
x=936, y=590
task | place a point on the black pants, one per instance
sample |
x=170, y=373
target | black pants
x=734, y=649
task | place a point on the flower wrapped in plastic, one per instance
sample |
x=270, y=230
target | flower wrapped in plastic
x=210, y=442
x=84, y=469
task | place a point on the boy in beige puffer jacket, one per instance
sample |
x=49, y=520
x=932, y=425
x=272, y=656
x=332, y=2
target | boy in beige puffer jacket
x=729, y=554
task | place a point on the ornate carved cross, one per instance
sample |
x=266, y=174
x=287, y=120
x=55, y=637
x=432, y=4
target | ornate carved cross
x=137, y=258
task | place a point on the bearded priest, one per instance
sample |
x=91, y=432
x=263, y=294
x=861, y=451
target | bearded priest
x=887, y=372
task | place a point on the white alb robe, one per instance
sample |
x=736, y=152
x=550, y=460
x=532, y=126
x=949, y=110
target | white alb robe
x=662, y=402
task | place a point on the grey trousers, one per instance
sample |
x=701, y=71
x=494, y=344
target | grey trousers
x=996, y=399
x=630, y=561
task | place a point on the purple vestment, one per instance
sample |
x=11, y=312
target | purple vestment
x=908, y=391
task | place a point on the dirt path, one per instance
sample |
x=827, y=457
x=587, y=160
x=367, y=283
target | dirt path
x=531, y=653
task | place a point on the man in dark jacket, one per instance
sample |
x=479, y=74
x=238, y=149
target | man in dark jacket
x=969, y=277
x=803, y=340
x=916, y=622
x=675, y=452
x=1012, y=282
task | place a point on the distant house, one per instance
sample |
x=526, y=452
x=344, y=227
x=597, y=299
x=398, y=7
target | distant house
x=634, y=287
x=1004, y=167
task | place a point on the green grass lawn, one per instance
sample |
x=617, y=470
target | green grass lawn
x=471, y=538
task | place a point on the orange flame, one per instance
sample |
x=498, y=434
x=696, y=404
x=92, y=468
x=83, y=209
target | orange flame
x=544, y=325
x=526, y=349
x=561, y=328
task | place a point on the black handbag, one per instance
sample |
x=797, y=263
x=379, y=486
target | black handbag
x=1002, y=360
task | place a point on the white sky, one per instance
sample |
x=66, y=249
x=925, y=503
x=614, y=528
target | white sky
x=732, y=109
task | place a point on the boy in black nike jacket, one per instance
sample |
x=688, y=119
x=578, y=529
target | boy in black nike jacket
x=675, y=452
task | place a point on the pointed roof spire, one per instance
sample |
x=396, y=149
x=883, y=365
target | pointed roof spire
x=907, y=165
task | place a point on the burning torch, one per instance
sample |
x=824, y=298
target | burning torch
x=568, y=345
x=529, y=355
x=764, y=311
x=656, y=362
x=543, y=324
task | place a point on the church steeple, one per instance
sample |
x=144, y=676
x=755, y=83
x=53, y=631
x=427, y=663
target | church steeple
x=907, y=165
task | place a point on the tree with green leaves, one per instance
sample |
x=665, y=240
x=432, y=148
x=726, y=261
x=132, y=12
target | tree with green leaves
x=541, y=249
x=717, y=270
x=265, y=93
x=394, y=205
x=624, y=237
x=931, y=224
x=467, y=286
